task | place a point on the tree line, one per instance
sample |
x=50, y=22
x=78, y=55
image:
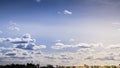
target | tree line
x=28, y=65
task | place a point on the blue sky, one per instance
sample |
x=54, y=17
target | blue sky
x=55, y=30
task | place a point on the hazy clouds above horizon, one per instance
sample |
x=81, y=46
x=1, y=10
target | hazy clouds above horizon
x=60, y=31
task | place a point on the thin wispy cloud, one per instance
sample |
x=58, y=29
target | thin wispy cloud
x=118, y=29
x=71, y=40
x=116, y=23
x=13, y=26
x=67, y=12
x=79, y=45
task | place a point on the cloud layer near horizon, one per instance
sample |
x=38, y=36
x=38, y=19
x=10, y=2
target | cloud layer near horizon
x=25, y=50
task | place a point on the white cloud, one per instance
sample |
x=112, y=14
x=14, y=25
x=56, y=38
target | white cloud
x=65, y=57
x=105, y=58
x=85, y=52
x=114, y=46
x=50, y=57
x=14, y=52
x=25, y=39
x=96, y=52
x=25, y=42
x=67, y=12
x=2, y=39
x=80, y=45
x=20, y=49
x=58, y=46
x=39, y=47
x=10, y=53
x=27, y=36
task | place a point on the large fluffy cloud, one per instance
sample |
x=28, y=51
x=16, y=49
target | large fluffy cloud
x=17, y=48
x=25, y=39
x=25, y=42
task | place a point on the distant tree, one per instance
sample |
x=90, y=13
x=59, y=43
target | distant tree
x=37, y=66
x=67, y=66
x=107, y=66
x=50, y=66
x=61, y=67
x=43, y=67
x=92, y=66
x=86, y=66
x=73, y=66
x=30, y=65
x=113, y=66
